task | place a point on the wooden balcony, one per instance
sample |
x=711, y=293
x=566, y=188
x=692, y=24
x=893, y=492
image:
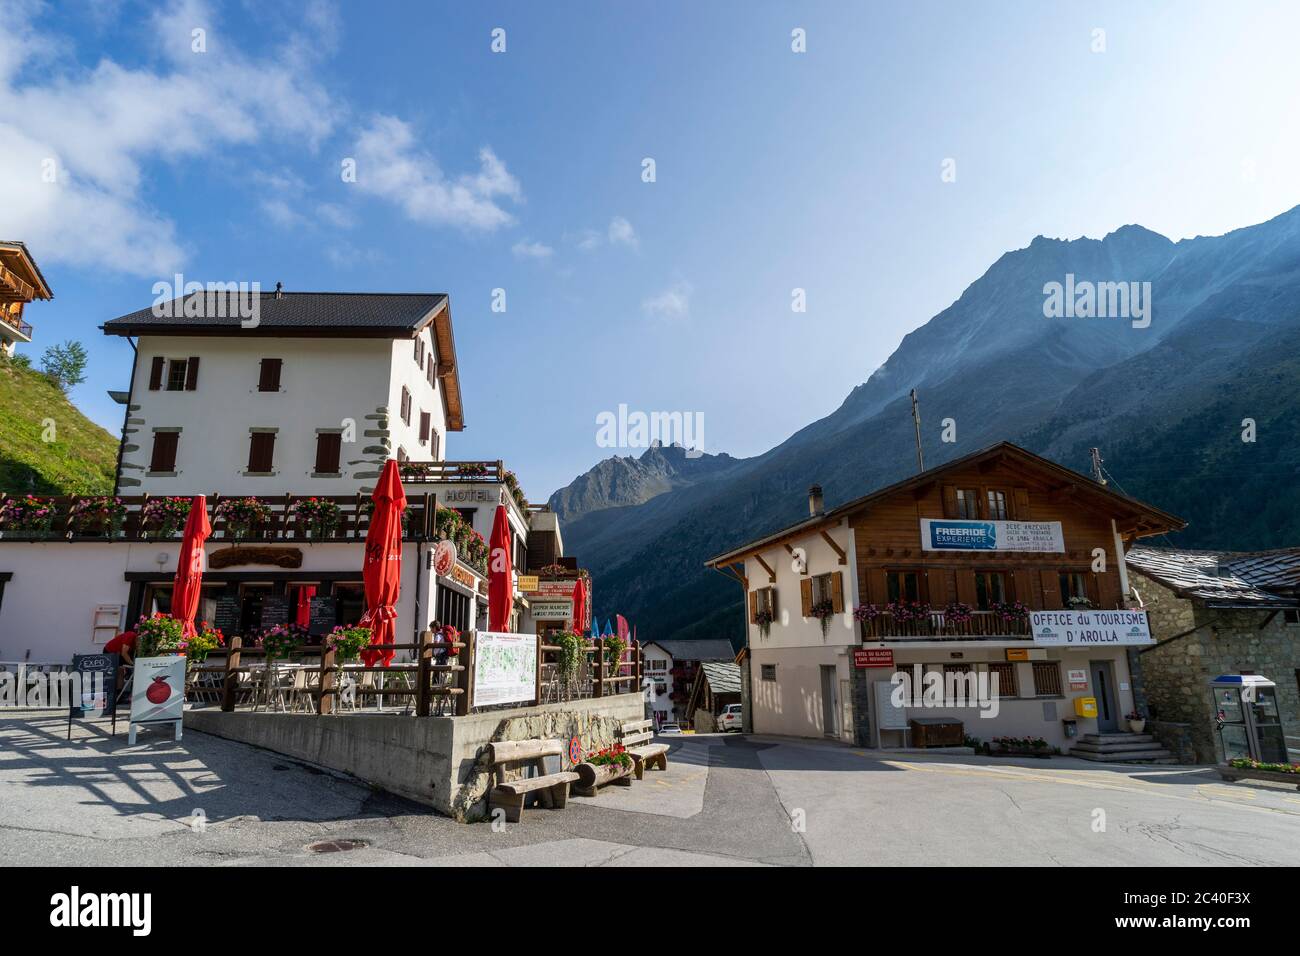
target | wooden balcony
x=983, y=625
x=432, y=472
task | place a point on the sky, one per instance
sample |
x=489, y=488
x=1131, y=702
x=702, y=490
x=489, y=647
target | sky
x=877, y=156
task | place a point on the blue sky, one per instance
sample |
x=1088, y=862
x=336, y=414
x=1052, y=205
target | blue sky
x=522, y=170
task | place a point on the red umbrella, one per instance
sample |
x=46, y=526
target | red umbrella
x=580, y=607
x=382, y=566
x=187, y=588
x=302, y=612
x=500, y=580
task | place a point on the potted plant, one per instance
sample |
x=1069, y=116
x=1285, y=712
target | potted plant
x=957, y=615
x=1080, y=604
x=347, y=643
x=824, y=611
x=316, y=517
x=159, y=635
x=763, y=618
x=97, y=515
x=165, y=516
x=568, y=664
x=280, y=641
x=243, y=515
x=1136, y=722
x=26, y=514
x=1013, y=613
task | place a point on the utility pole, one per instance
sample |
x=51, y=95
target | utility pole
x=1095, y=454
x=916, y=420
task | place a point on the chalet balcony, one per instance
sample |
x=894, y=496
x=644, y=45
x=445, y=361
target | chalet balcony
x=434, y=472
x=936, y=626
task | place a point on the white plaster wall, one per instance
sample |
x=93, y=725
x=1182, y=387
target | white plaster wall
x=792, y=704
x=424, y=398
x=791, y=629
x=323, y=382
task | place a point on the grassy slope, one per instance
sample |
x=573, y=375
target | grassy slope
x=81, y=458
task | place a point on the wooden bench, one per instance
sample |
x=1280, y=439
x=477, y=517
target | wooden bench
x=511, y=760
x=637, y=737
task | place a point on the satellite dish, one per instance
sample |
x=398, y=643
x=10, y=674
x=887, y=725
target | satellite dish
x=444, y=557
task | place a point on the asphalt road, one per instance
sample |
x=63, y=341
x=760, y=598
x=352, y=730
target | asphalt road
x=725, y=801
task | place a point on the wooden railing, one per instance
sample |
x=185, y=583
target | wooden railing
x=936, y=626
x=421, y=472
x=597, y=676
x=281, y=525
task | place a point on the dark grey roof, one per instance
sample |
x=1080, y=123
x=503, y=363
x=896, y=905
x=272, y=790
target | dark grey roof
x=1223, y=579
x=294, y=313
x=723, y=677
x=709, y=649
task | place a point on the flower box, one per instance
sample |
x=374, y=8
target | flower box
x=591, y=776
x=1248, y=773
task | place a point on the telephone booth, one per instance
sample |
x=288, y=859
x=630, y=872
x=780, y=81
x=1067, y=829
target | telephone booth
x=1247, y=718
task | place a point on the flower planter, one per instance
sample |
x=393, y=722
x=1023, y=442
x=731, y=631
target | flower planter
x=1137, y=726
x=593, y=775
x=1245, y=773
x=1021, y=752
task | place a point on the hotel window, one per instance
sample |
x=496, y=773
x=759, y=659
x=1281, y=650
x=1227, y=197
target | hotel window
x=1006, y=674
x=329, y=446
x=261, y=453
x=1073, y=585
x=990, y=589
x=268, y=377
x=827, y=588
x=467, y=514
x=903, y=585
x=997, y=510
x=164, y=451
x=1047, y=679
x=762, y=600
x=968, y=503
x=768, y=671
x=962, y=689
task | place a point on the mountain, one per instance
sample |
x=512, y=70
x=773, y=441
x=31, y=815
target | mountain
x=79, y=457
x=1164, y=402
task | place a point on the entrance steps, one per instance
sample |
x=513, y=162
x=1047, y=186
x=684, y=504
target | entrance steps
x=1121, y=748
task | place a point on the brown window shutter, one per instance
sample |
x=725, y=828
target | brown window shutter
x=428, y=372
x=753, y=607
x=192, y=373
x=949, y=501
x=435, y=446
x=966, y=587
x=805, y=596
x=1051, y=590
x=261, y=451
x=164, y=451
x=156, y=373
x=837, y=592
x=328, y=447
x=1020, y=510
x=268, y=379
x=425, y=421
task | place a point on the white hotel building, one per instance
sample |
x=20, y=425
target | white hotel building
x=310, y=402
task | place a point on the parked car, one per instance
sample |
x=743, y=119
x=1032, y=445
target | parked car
x=670, y=728
x=730, y=718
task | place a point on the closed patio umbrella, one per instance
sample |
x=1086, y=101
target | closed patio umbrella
x=188, y=585
x=580, y=607
x=381, y=568
x=500, y=578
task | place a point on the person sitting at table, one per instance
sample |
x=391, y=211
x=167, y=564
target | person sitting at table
x=124, y=646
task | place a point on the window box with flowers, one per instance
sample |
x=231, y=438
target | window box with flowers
x=100, y=515
x=316, y=517
x=243, y=516
x=516, y=492
x=1013, y=614
x=1021, y=747
x=957, y=617
x=1245, y=768
x=163, y=517
x=26, y=516
x=824, y=611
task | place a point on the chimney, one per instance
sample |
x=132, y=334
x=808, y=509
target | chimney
x=279, y=294
x=815, y=504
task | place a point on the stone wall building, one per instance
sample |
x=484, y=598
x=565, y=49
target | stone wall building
x=1214, y=613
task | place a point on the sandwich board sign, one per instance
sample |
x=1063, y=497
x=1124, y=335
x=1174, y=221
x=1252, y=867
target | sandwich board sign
x=95, y=688
x=157, y=693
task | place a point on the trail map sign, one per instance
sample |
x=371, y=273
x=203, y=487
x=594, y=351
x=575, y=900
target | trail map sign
x=505, y=668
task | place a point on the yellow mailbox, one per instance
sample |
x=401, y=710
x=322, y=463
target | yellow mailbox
x=1085, y=706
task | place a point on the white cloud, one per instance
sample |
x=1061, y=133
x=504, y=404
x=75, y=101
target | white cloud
x=618, y=233
x=672, y=303
x=532, y=250
x=621, y=233
x=100, y=126
x=391, y=166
